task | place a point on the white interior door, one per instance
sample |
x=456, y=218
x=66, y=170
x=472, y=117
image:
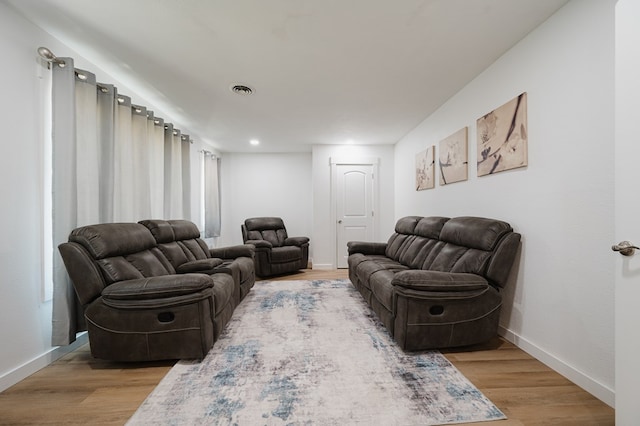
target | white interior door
x=354, y=200
x=627, y=211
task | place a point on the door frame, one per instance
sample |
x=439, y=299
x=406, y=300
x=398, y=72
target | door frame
x=626, y=211
x=356, y=161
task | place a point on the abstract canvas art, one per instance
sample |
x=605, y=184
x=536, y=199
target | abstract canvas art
x=453, y=158
x=502, y=137
x=425, y=169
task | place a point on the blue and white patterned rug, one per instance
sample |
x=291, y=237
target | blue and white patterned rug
x=312, y=353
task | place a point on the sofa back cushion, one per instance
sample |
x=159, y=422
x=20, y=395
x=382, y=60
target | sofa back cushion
x=122, y=251
x=270, y=229
x=178, y=240
x=462, y=244
x=416, y=240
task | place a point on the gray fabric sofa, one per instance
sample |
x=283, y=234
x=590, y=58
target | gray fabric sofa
x=436, y=282
x=143, y=301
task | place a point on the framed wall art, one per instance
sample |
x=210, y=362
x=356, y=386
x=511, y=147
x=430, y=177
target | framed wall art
x=502, y=137
x=425, y=169
x=452, y=157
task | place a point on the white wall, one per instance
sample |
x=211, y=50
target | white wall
x=323, y=243
x=560, y=305
x=258, y=185
x=25, y=319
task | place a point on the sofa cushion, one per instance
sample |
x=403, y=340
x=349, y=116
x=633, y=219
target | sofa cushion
x=175, y=254
x=266, y=228
x=430, y=227
x=200, y=265
x=285, y=254
x=113, y=239
x=420, y=252
x=185, y=233
x=195, y=247
x=274, y=236
x=407, y=225
x=133, y=266
x=397, y=244
x=474, y=232
x=184, y=229
x=368, y=265
x=161, y=230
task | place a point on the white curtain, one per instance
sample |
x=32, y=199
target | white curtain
x=112, y=162
x=66, y=315
x=211, y=196
x=185, y=154
x=105, y=111
x=173, y=202
x=155, y=134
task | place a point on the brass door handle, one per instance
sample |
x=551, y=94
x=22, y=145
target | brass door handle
x=625, y=248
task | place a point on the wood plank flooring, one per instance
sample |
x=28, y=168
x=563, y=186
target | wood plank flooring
x=80, y=390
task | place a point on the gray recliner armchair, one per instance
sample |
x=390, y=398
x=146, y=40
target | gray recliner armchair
x=275, y=252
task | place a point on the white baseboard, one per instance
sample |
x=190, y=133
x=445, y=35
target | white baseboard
x=28, y=368
x=323, y=266
x=600, y=391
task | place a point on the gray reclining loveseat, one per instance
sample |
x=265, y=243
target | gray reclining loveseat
x=147, y=301
x=436, y=282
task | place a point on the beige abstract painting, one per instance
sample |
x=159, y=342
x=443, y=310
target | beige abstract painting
x=425, y=169
x=453, y=158
x=502, y=137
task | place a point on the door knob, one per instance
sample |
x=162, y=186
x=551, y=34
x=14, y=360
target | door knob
x=625, y=248
x=339, y=221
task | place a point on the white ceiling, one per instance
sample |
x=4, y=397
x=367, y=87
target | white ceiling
x=323, y=71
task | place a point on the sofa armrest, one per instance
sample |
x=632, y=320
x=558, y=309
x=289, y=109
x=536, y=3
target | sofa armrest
x=296, y=241
x=233, y=252
x=203, y=266
x=165, y=286
x=438, y=281
x=259, y=243
x=366, y=247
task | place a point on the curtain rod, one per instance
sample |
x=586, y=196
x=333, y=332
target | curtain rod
x=207, y=152
x=49, y=56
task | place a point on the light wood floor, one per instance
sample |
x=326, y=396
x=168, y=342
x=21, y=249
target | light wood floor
x=78, y=389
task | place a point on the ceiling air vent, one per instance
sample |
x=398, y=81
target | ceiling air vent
x=241, y=89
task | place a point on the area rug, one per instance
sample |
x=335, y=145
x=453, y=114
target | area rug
x=312, y=353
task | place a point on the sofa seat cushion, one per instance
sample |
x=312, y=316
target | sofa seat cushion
x=285, y=254
x=204, y=266
x=367, y=266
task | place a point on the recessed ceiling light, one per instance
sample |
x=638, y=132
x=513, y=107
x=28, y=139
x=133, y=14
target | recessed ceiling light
x=254, y=142
x=241, y=89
